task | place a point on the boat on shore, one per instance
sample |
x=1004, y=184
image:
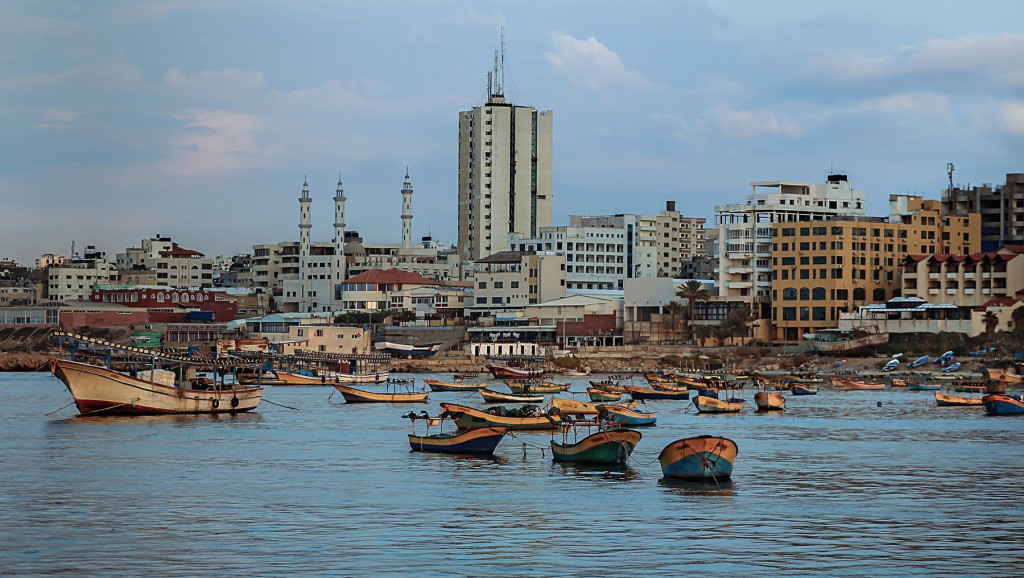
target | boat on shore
x=706, y=404
x=844, y=341
x=410, y=351
x=438, y=385
x=147, y=388
x=625, y=416
x=470, y=417
x=491, y=396
x=699, y=458
x=999, y=404
x=606, y=446
x=480, y=441
x=356, y=395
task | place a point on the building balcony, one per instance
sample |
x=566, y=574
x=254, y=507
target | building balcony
x=739, y=284
x=969, y=275
x=951, y=275
x=968, y=291
x=951, y=291
x=986, y=275
x=933, y=275
x=742, y=269
x=986, y=291
x=933, y=291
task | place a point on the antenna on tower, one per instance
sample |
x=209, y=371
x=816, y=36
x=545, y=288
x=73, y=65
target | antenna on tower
x=949, y=171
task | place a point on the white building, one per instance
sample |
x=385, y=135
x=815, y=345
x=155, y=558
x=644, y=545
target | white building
x=175, y=266
x=595, y=257
x=511, y=280
x=504, y=172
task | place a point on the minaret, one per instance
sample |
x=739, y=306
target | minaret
x=339, y=234
x=304, y=226
x=407, y=212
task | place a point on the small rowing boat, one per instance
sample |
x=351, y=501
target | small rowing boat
x=769, y=401
x=491, y=396
x=480, y=441
x=851, y=385
x=606, y=446
x=699, y=458
x=470, y=417
x=533, y=387
x=602, y=395
x=801, y=389
x=999, y=404
x=356, y=395
x=438, y=385
x=950, y=400
x=714, y=405
x=625, y=416
x=644, y=393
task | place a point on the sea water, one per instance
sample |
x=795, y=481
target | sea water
x=840, y=484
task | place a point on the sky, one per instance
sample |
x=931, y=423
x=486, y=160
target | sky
x=200, y=120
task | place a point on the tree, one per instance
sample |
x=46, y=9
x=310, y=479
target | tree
x=741, y=319
x=702, y=332
x=1017, y=318
x=991, y=322
x=674, y=308
x=692, y=291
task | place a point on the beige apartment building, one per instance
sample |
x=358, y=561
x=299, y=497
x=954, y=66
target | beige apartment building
x=965, y=280
x=821, y=269
x=326, y=339
x=512, y=280
x=175, y=266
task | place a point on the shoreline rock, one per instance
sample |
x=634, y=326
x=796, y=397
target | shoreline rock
x=23, y=361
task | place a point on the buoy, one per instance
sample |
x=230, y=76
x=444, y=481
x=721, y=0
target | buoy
x=879, y=404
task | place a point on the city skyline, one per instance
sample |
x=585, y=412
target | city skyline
x=201, y=121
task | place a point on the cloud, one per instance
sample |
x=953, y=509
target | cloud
x=744, y=124
x=998, y=59
x=213, y=144
x=591, y=63
x=1005, y=117
x=227, y=84
x=917, y=103
x=61, y=115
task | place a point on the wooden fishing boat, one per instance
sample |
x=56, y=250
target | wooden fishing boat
x=576, y=373
x=533, y=387
x=851, y=385
x=607, y=446
x=356, y=395
x=306, y=377
x=438, y=385
x=572, y=406
x=644, y=393
x=950, y=400
x=999, y=404
x=803, y=380
x=715, y=405
x=911, y=386
x=699, y=458
x=408, y=350
x=769, y=401
x=1004, y=376
x=602, y=395
x=368, y=377
x=503, y=371
x=470, y=417
x=625, y=416
x=801, y=389
x=480, y=441
x=491, y=396
x=608, y=385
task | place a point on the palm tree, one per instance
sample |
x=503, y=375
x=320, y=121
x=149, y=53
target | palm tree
x=728, y=329
x=702, y=332
x=1018, y=320
x=692, y=291
x=991, y=322
x=741, y=318
x=674, y=308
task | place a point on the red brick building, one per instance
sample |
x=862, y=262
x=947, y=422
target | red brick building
x=167, y=304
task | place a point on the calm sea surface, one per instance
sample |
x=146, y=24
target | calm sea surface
x=834, y=486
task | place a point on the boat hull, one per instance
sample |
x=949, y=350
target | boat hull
x=713, y=405
x=98, y=390
x=524, y=388
x=293, y=378
x=491, y=396
x=769, y=401
x=355, y=395
x=699, y=458
x=923, y=387
x=1004, y=376
x=624, y=416
x=997, y=404
x=644, y=393
x=799, y=389
x=602, y=395
x=401, y=349
x=437, y=385
x=948, y=400
x=851, y=385
x=480, y=441
x=603, y=447
x=376, y=377
x=506, y=372
x=472, y=418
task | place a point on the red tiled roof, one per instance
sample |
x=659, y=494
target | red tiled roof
x=1015, y=248
x=999, y=301
x=177, y=251
x=391, y=277
x=504, y=257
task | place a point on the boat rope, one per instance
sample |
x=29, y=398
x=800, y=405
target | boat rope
x=69, y=404
x=526, y=444
x=26, y=376
x=265, y=400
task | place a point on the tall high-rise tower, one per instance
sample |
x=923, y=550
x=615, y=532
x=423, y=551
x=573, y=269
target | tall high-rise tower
x=338, y=271
x=504, y=171
x=304, y=227
x=407, y=212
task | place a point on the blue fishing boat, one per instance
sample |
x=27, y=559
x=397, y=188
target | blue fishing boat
x=951, y=368
x=624, y=416
x=800, y=389
x=982, y=352
x=944, y=358
x=923, y=386
x=699, y=458
x=918, y=362
x=891, y=365
x=999, y=404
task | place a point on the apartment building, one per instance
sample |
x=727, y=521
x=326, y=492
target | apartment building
x=371, y=291
x=511, y=280
x=965, y=280
x=824, y=268
x=595, y=257
x=1001, y=210
x=175, y=266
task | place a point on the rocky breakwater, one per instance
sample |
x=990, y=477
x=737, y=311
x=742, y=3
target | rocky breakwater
x=23, y=361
